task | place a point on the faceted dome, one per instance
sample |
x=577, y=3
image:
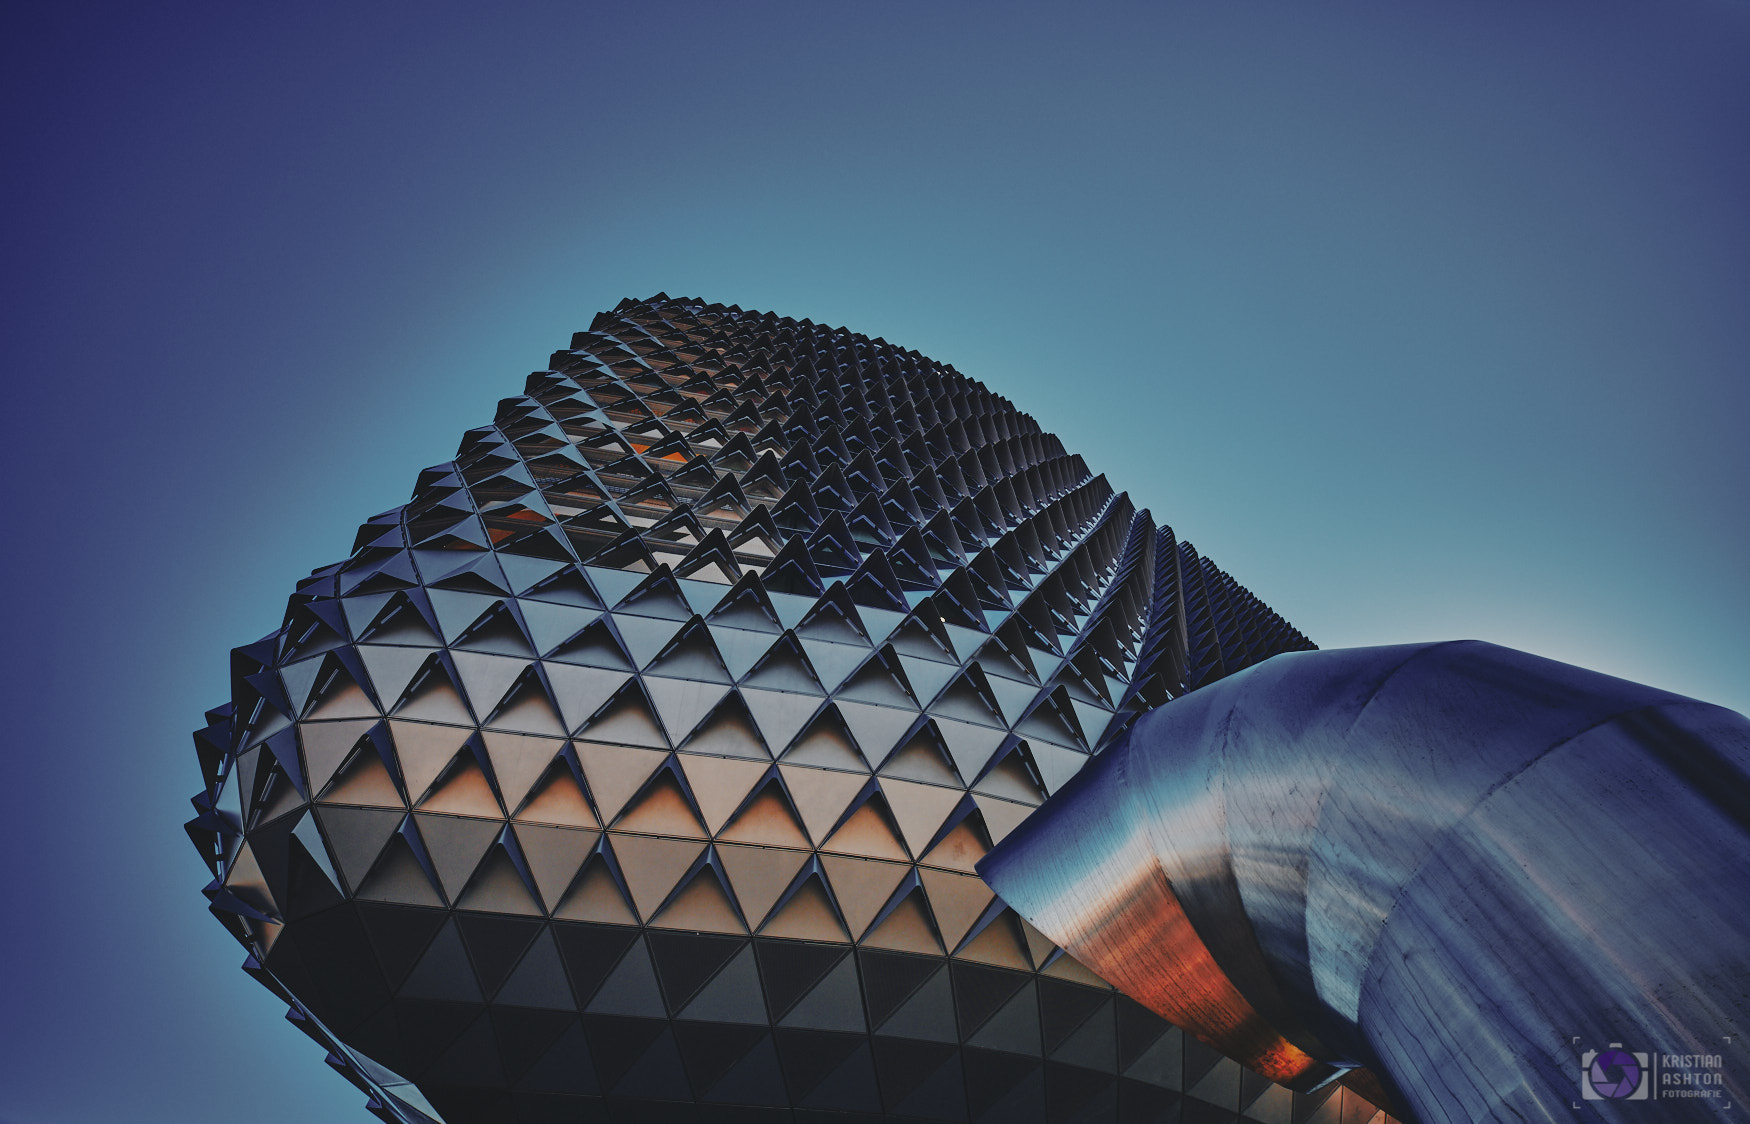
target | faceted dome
x=639, y=763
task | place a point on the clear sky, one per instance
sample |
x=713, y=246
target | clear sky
x=1424, y=320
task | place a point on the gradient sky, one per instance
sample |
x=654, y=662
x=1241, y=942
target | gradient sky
x=1424, y=320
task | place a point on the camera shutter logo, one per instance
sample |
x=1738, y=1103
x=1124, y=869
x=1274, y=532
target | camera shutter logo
x=1613, y=1075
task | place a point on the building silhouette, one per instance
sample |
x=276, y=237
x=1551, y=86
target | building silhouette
x=637, y=767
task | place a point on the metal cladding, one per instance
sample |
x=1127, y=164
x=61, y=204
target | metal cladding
x=1445, y=862
x=637, y=767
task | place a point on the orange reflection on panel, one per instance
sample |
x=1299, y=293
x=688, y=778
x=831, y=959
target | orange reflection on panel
x=1145, y=946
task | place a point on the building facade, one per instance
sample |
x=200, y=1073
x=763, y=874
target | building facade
x=637, y=767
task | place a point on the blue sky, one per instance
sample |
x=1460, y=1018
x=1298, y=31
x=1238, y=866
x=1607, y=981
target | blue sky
x=1423, y=320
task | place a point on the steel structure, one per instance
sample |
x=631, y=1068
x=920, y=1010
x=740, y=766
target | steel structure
x=636, y=768
x=1456, y=864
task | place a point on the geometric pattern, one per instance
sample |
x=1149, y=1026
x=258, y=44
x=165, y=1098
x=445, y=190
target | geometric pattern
x=637, y=766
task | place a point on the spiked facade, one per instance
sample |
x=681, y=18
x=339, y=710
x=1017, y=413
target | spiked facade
x=637, y=767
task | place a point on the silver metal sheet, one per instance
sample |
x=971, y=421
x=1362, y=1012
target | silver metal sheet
x=1455, y=864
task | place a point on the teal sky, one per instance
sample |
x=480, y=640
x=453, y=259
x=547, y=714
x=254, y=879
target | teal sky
x=1424, y=320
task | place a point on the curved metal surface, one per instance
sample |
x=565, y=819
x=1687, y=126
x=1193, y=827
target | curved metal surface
x=1449, y=863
